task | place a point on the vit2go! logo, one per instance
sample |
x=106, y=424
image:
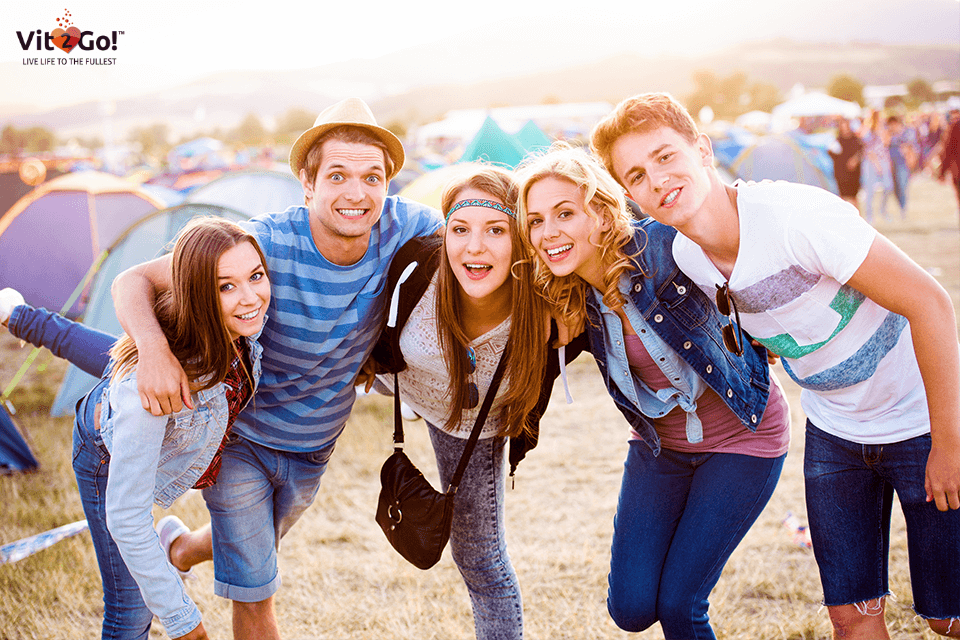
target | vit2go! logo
x=67, y=37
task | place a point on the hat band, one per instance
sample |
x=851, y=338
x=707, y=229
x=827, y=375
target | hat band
x=490, y=204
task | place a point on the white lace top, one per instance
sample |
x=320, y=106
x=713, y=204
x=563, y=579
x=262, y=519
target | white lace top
x=424, y=384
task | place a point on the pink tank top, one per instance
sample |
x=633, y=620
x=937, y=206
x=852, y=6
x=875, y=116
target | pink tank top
x=722, y=430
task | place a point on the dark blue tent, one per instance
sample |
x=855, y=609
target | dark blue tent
x=15, y=455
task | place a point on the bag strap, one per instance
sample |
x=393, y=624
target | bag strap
x=474, y=434
x=478, y=426
x=397, y=422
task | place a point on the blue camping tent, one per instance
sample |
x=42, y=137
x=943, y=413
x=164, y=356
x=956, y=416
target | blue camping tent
x=251, y=191
x=145, y=240
x=785, y=157
x=15, y=455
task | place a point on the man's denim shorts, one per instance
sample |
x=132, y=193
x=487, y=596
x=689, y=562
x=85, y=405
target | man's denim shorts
x=260, y=493
x=849, y=490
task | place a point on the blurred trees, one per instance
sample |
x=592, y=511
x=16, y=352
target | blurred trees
x=31, y=140
x=89, y=142
x=294, y=122
x=249, y=132
x=153, y=139
x=920, y=91
x=847, y=88
x=732, y=95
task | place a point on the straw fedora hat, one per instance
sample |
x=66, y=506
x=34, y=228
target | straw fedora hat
x=355, y=113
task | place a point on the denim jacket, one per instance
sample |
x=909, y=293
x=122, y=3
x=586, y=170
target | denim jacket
x=689, y=323
x=156, y=459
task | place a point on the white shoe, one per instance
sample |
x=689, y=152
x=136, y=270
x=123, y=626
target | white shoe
x=9, y=298
x=169, y=529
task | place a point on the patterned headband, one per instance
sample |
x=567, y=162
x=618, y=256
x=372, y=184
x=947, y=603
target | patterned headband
x=490, y=204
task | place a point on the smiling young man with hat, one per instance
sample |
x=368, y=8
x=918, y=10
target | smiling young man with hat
x=323, y=319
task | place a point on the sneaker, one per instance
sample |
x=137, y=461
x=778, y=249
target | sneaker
x=9, y=298
x=169, y=529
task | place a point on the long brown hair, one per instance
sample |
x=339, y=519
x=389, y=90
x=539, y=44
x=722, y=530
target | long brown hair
x=526, y=347
x=190, y=313
x=604, y=201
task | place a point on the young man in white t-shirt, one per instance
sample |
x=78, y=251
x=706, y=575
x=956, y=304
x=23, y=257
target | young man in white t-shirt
x=866, y=332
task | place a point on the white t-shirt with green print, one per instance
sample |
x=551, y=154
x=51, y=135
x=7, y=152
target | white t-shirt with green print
x=853, y=358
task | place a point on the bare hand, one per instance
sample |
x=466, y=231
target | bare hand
x=197, y=634
x=367, y=375
x=163, y=386
x=943, y=478
x=566, y=333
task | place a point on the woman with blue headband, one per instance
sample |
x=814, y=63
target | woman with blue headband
x=462, y=300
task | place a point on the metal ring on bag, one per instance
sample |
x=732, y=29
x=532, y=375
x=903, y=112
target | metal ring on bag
x=395, y=508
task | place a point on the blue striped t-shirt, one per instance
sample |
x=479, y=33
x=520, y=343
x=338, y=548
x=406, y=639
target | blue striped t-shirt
x=323, y=321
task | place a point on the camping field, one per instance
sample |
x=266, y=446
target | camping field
x=341, y=580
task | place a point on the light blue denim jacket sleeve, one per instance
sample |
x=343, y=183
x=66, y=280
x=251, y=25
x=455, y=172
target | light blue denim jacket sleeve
x=134, y=458
x=686, y=384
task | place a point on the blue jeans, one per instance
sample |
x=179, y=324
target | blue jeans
x=849, y=490
x=125, y=616
x=679, y=517
x=260, y=493
x=901, y=183
x=871, y=178
x=85, y=348
x=477, y=537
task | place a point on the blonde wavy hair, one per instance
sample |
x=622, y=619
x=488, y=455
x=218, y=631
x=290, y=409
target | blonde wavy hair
x=526, y=347
x=603, y=200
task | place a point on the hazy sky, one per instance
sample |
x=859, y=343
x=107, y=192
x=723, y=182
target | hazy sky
x=171, y=41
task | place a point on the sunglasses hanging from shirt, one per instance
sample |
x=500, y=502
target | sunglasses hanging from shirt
x=732, y=340
x=414, y=516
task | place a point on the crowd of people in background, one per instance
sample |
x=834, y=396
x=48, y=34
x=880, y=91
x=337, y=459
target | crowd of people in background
x=880, y=154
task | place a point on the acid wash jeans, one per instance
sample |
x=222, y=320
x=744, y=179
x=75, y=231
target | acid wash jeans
x=477, y=537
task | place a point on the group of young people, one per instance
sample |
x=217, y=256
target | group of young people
x=242, y=351
x=883, y=153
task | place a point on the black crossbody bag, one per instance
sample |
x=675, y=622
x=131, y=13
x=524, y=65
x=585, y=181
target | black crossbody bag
x=414, y=516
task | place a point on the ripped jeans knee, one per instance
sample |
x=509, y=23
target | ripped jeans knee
x=871, y=608
x=948, y=627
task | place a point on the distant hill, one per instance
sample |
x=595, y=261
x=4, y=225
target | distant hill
x=407, y=88
x=781, y=63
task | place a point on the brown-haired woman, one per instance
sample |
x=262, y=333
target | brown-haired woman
x=124, y=457
x=462, y=301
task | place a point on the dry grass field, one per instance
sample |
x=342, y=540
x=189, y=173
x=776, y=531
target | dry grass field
x=342, y=581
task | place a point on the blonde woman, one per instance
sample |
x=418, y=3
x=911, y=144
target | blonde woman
x=709, y=427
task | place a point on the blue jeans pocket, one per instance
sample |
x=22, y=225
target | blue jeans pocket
x=319, y=458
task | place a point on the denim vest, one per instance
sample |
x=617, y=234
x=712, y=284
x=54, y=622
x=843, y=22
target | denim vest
x=192, y=436
x=683, y=317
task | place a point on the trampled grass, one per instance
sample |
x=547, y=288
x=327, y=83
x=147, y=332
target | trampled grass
x=341, y=580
